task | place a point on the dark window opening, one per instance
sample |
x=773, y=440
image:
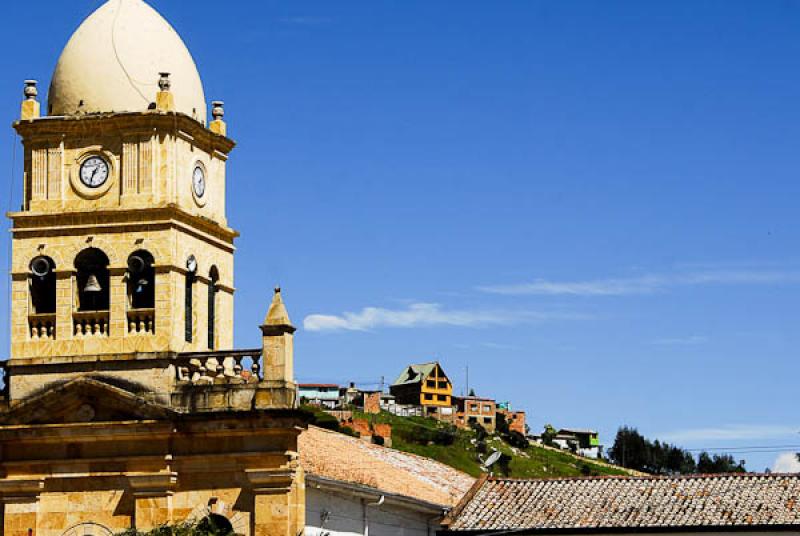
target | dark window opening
x=442, y=385
x=215, y=524
x=43, y=286
x=93, y=280
x=441, y=397
x=141, y=281
x=212, y=307
x=188, y=308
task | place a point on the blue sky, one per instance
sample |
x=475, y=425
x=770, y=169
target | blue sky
x=593, y=205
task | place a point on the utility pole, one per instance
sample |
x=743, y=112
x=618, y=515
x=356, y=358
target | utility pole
x=467, y=393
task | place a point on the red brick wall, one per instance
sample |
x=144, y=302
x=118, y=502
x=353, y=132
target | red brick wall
x=372, y=403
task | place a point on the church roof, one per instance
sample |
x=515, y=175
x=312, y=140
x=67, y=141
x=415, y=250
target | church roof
x=112, y=64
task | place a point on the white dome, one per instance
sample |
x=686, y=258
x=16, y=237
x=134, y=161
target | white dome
x=112, y=64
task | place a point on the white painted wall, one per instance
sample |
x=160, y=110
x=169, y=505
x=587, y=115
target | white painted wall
x=342, y=514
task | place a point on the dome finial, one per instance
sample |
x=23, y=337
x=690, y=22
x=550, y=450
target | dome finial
x=31, y=109
x=164, y=83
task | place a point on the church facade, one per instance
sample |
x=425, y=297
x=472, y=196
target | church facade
x=124, y=405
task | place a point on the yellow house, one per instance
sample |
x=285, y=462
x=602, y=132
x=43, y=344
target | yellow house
x=425, y=385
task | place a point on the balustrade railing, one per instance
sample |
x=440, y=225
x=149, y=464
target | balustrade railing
x=42, y=327
x=233, y=366
x=142, y=321
x=88, y=324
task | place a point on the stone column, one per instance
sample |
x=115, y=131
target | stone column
x=153, y=496
x=20, y=505
x=278, y=502
x=65, y=298
x=118, y=308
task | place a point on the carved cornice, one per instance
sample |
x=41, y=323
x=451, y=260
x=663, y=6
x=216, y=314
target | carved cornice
x=124, y=125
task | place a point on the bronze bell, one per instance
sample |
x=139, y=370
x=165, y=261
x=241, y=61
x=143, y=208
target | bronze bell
x=92, y=284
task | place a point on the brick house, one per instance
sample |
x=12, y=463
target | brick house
x=425, y=385
x=476, y=410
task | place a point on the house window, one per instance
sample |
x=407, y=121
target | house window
x=472, y=420
x=442, y=385
x=487, y=420
x=431, y=384
x=474, y=408
x=428, y=396
x=442, y=398
x=487, y=408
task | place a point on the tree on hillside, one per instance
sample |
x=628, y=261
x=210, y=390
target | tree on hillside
x=634, y=451
x=719, y=463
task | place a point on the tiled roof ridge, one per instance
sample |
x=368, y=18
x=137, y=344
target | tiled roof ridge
x=695, y=476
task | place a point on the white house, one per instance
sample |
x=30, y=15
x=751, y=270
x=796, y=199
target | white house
x=357, y=488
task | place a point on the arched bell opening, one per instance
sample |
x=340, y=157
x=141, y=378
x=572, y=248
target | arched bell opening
x=213, y=289
x=92, y=280
x=141, y=291
x=42, y=303
x=141, y=280
x=42, y=283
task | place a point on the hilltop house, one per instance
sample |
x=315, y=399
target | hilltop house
x=425, y=385
x=324, y=395
x=584, y=442
x=476, y=410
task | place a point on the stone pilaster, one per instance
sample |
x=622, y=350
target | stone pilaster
x=20, y=506
x=118, y=321
x=153, y=495
x=278, y=502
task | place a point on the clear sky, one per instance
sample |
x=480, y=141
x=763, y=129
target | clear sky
x=593, y=205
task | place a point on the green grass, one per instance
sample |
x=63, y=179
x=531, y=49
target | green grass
x=533, y=462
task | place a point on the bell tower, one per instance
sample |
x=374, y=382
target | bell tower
x=121, y=246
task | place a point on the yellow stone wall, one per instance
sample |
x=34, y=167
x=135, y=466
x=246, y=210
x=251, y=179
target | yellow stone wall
x=148, y=203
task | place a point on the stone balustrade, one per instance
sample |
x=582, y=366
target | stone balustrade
x=87, y=324
x=42, y=327
x=142, y=321
x=226, y=367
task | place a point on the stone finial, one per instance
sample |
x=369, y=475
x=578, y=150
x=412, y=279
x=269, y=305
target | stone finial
x=218, y=109
x=31, y=91
x=164, y=83
x=31, y=109
x=165, y=100
x=218, y=125
x=277, y=314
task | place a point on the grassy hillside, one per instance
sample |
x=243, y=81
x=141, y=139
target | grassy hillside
x=430, y=438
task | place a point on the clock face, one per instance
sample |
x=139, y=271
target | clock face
x=199, y=182
x=94, y=172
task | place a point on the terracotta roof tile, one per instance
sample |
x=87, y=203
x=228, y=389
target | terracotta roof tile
x=337, y=456
x=627, y=502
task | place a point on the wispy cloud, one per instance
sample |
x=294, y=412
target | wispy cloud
x=786, y=463
x=735, y=432
x=681, y=341
x=645, y=284
x=427, y=314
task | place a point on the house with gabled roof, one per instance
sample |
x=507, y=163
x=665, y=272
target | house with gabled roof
x=425, y=385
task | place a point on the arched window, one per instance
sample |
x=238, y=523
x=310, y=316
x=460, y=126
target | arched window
x=43, y=286
x=213, y=281
x=93, y=280
x=141, y=280
x=215, y=524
